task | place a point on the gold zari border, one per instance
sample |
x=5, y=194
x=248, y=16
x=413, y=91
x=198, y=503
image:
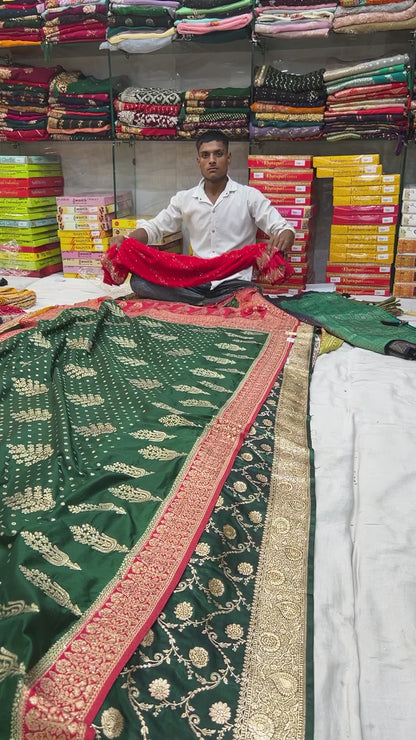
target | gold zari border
x=272, y=697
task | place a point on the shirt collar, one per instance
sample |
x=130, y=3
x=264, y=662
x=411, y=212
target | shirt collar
x=200, y=191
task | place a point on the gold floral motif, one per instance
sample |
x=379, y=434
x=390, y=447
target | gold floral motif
x=79, y=343
x=28, y=387
x=50, y=588
x=9, y=665
x=96, y=507
x=198, y=402
x=86, y=399
x=262, y=478
x=216, y=586
x=229, y=531
x=234, y=631
x=112, y=723
x=233, y=370
x=231, y=347
x=88, y=535
x=133, y=494
x=165, y=407
x=94, y=430
x=14, y=608
x=219, y=360
x=114, y=308
x=189, y=389
x=32, y=415
x=39, y=340
x=148, y=639
x=76, y=371
x=198, y=657
x=183, y=610
x=245, y=569
x=260, y=727
x=131, y=361
x=214, y=387
x=220, y=712
x=159, y=689
x=131, y=470
x=146, y=384
x=180, y=352
x=164, y=337
x=247, y=456
x=255, y=517
x=49, y=551
x=202, y=372
x=202, y=549
x=173, y=420
x=124, y=342
x=240, y=486
x=33, y=499
x=30, y=454
x=160, y=453
x=152, y=435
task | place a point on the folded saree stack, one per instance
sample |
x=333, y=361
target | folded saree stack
x=20, y=23
x=140, y=26
x=405, y=261
x=24, y=94
x=225, y=108
x=215, y=20
x=368, y=100
x=289, y=19
x=378, y=15
x=147, y=113
x=29, y=186
x=287, y=106
x=73, y=20
x=80, y=106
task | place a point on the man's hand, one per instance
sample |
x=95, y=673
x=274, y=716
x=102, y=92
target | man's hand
x=281, y=242
x=116, y=240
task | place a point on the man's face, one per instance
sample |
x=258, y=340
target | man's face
x=213, y=159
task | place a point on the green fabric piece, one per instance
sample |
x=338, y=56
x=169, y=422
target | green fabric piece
x=356, y=322
x=184, y=12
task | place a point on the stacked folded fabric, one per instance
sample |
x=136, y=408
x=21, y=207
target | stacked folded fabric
x=287, y=20
x=147, y=113
x=225, y=108
x=80, y=106
x=215, y=20
x=374, y=16
x=20, y=23
x=368, y=100
x=287, y=106
x=140, y=26
x=24, y=93
x=73, y=20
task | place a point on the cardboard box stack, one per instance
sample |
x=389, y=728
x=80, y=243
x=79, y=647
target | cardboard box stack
x=288, y=183
x=364, y=220
x=405, y=262
x=169, y=243
x=85, y=229
x=29, y=244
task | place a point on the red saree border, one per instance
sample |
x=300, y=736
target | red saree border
x=66, y=688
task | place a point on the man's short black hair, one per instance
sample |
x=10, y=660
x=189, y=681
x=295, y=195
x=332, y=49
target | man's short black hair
x=213, y=135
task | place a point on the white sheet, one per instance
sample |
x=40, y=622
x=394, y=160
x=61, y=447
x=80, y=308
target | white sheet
x=363, y=413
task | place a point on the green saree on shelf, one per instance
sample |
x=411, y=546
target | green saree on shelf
x=156, y=510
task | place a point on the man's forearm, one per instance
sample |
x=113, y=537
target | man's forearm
x=140, y=235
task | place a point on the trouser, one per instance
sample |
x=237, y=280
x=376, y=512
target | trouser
x=199, y=295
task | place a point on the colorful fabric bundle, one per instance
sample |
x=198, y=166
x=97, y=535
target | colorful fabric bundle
x=181, y=270
x=80, y=21
x=224, y=21
x=286, y=105
x=140, y=26
x=287, y=22
x=24, y=92
x=379, y=16
x=18, y=298
x=226, y=108
x=147, y=113
x=20, y=23
x=368, y=100
x=80, y=105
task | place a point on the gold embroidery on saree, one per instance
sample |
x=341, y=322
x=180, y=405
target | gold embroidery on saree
x=232, y=347
x=179, y=352
x=79, y=343
x=146, y=384
x=173, y=420
x=15, y=608
x=39, y=340
x=94, y=430
x=164, y=337
x=32, y=415
x=272, y=697
x=86, y=399
x=200, y=402
x=131, y=361
x=31, y=500
x=205, y=373
x=89, y=535
x=30, y=454
x=189, y=389
x=50, y=588
x=160, y=453
x=133, y=494
x=28, y=387
x=9, y=665
x=49, y=551
x=124, y=342
x=131, y=470
x=151, y=435
x=214, y=387
x=96, y=507
x=166, y=407
x=219, y=360
x=112, y=723
x=76, y=371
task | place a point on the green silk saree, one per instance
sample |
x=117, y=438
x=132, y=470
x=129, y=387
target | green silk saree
x=124, y=425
